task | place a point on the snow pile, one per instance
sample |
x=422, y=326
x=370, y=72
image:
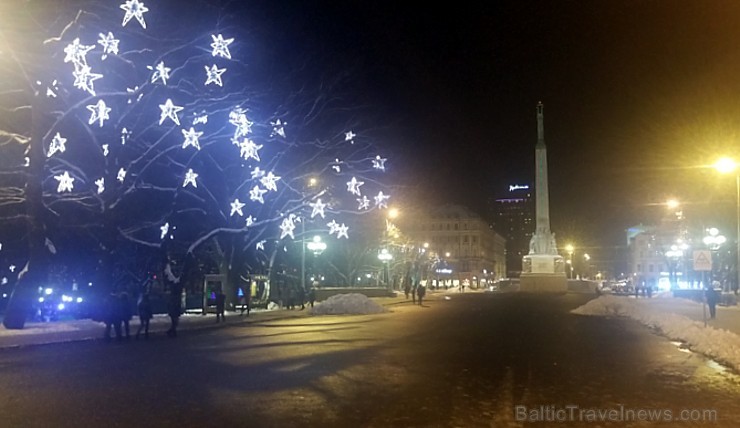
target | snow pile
x=716, y=343
x=353, y=303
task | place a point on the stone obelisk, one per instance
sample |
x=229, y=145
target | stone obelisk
x=543, y=269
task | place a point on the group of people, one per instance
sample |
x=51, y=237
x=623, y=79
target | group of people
x=416, y=291
x=118, y=311
x=298, y=296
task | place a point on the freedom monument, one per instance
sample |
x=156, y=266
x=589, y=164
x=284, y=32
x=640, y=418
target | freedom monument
x=543, y=269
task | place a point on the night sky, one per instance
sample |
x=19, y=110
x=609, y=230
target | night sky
x=637, y=96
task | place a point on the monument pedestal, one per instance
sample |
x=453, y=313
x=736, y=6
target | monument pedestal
x=543, y=273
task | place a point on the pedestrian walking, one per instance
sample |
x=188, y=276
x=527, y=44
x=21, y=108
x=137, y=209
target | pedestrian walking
x=406, y=289
x=712, y=298
x=413, y=293
x=302, y=296
x=421, y=291
x=109, y=311
x=174, y=310
x=220, y=306
x=124, y=313
x=244, y=302
x=144, y=307
x=312, y=295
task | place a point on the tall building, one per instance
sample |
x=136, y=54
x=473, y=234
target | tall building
x=512, y=216
x=463, y=242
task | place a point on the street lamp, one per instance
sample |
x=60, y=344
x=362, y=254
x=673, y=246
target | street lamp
x=570, y=250
x=713, y=241
x=385, y=256
x=726, y=166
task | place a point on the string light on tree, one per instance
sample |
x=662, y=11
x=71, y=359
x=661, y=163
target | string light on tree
x=257, y=173
x=364, y=203
x=317, y=208
x=250, y=150
x=191, y=138
x=57, y=145
x=381, y=200
x=270, y=181
x=100, y=182
x=278, y=128
x=121, y=175
x=350, y=136
x=85, y=79
x=342, y=231
x=250, y=221
x=236, y=208
x=164, y=229
x=379, y=163
x=353, y=186
x=288, y=226
x=105, y=149
x=161, y=72
x=260, y=245
x=109, y=44
x=256, y=194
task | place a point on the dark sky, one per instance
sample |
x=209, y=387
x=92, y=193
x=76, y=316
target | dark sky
x=637, y=94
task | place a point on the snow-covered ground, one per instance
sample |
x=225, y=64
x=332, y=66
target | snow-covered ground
x=720, y=344
x=352, y=303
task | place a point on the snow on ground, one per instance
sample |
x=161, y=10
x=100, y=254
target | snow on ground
x=342, y=304
x=720, y=344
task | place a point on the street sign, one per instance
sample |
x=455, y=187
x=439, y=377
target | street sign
x=703, y=260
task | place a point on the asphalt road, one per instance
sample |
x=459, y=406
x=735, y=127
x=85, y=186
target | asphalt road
x=476, y=360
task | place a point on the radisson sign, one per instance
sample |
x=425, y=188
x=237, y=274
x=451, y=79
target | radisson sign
x=518, y=187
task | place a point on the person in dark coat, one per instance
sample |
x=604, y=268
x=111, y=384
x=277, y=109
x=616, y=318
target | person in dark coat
x=711, y=295
x=124, y=313
x=421, y=291
x=301, y=297
x=144, y=307
x=174, y=310
x=109, y=315
x=312, y=295
x=220, y=306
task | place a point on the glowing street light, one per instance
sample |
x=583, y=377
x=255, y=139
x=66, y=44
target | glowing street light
x=570, y=249
x=727, y=165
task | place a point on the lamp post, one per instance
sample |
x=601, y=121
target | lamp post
x=385, y=256
x=570, y=250
x=726, y=166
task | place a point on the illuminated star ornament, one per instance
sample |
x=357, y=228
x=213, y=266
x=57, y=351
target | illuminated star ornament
x=278, y=128
x=57, y=145
x=190, y=177
x=260, y=245
x=105, y=149
x=221, y=46
x=243, y=125
x=236, y=207
x=65, y=182
x=191, y=138
x=121, y=175
x=250, y=150
x=317, y=208
x=257, y=173
x=333, y=225
x=353, y=186
x=342, y=231
x=163, y=230
x=350, y=136
x=250, y=221
x=109, y=44
x=85, y=78
x=100, y=182
x=381, y=201
x=213, y=75
x=169, y=110
x=256, y=194
x=98, y=113
x=134, y=9
x=379, y=163
x=364, y=203
x=269, y=181
x=287, y=227
x=160, y=72
x=77, y=53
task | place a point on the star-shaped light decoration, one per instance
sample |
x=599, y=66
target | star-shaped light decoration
x=243, y=125
x=257, y=173
x=278, y=128
x=161, y=72
x=57, y=145
x=350, y=136
x=250, y=221
x=77, y=53
x=164, y=229
x=287, y=227
x=256, y=194
x=121, y=175
x=337, y=165
x=11, y=268
x=342, y=231
x=249, y=149
x=213, y=75
x=191, y=138
x=353, y=186
x=109, y=44
x=85, y=79
x=98, y=112
x=221, y=46
x=381, y=200
x=333, y=225
x=105, y=149
x=364, y=203
x=169, y=110
x=134, y=9
x=260, y=245
x=190, y=177
x=65, y=182
x=236, y=208
x=269, y=181
x=125, y=133
x=100, y=182
x=379, y=163
x=317, y=208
